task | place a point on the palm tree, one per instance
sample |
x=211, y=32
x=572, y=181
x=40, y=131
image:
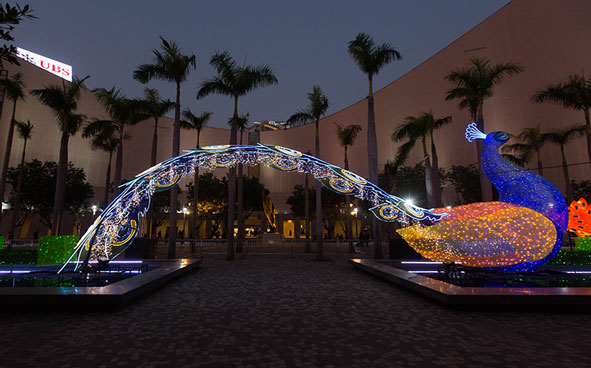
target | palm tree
x=347, y=136
x=242, y=124
x=473, y=85
x=64, y=102
x=234, y=81
x=24, y=131
x=530, y=143
x=105, y=137
x=194, y=122
x=318, y=104
x=422, y=127
x=156, y=108
x=14, y=88
x=562, y=137
x=123, y=112
x=307, y=248
x=172, y=66
x=370, y=58
x=574, y=94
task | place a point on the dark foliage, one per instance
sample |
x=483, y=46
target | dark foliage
x=38, y=190
x=9, y=17
x=466, y=181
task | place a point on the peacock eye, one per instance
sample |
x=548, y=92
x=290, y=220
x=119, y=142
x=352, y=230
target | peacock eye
x=501, y=137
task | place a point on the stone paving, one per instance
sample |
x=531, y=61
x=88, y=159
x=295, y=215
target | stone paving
x=277, y=311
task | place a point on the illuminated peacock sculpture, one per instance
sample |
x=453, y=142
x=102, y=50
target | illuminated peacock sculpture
x=520, y=232
x=117, y=226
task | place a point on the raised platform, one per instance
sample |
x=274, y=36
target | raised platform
x=457, y=296
x=112, y=295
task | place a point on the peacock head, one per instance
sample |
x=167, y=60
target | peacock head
x=495, y=138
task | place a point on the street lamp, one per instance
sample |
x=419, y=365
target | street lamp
x=185, y=212
x=354, y=213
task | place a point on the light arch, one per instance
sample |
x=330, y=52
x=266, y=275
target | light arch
x=117, y=226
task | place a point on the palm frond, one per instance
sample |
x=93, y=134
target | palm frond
x=24, y=129
x=348, y=134
x=565, y=135
x=192, y=121
x=14, y=87
x=214, y=86
x=300, y=117
x=368, y=57
x=402, y=154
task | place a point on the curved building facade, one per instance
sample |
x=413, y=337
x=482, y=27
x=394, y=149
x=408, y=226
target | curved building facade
x=549, y=38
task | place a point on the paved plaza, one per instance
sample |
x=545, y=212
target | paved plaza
x=281, y=311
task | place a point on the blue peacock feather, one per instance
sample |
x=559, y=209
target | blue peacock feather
x=521, y=187
x=119, y=223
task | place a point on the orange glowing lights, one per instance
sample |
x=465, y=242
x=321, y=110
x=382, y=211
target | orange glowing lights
x=579, y=218
x=492, y=234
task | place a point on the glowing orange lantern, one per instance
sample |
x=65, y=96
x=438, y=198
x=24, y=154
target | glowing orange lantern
x=579, y=218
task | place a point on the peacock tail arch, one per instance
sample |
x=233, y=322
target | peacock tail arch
x=117, y=226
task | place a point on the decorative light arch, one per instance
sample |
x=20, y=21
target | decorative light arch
x=117, y=226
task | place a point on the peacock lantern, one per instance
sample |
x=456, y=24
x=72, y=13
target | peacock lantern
x=519, y=232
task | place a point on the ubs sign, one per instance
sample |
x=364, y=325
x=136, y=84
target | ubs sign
x=54, y=67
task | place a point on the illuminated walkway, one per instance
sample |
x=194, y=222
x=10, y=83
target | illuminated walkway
x=277, y=311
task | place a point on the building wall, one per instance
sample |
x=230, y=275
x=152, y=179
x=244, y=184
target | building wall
x=549, y=38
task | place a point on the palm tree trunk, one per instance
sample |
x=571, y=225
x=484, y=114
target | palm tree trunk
x=568, y=188
x=348, y=214
x=154, y=144
x=319, y=246
x=308, y=247
x=19, y=186
x=118, y=164
x=540, y=169
x=588, y=133
x=7, y=150
x=232, y=188
x=150, y=214
x=240, y=205
x=428, y=177
x=372, y=158
x=60, y=185
x=193, y=220
x=107, y=182
x=485, y=185
x=435, y=178
x=174, y=191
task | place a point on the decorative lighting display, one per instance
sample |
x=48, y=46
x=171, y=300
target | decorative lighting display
x=118, y=224
x=491, y=234
x=579, y=218
x=55, y=249
x=513, y=239
x=583, y=244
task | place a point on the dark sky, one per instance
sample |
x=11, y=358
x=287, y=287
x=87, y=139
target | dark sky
x=305, y=42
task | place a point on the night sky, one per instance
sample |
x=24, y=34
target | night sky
x=305, y=42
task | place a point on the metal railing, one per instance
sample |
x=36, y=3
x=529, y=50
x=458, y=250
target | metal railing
x=21, y=244
x=334, y=247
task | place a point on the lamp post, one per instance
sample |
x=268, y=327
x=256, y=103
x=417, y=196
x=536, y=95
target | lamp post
x=185, y=212
x=354, y=213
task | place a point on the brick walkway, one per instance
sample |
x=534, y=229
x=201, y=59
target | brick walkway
x=277, y=311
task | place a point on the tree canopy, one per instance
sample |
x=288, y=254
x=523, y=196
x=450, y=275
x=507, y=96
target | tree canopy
x=38, y=187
